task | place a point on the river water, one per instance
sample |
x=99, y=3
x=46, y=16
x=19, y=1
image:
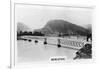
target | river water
x=34, y=52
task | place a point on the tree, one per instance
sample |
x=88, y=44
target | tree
x=36, y=33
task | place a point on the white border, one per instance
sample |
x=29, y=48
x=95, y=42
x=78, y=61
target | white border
x=13, y=37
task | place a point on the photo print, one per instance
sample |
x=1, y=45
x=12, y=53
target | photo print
x=53, y=33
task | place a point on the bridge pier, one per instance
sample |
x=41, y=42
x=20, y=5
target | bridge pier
x=45, y=41
x=59, y=45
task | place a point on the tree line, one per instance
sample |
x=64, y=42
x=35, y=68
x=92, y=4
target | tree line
x=35, y=33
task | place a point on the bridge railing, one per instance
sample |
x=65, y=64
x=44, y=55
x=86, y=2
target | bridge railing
x=71, y=43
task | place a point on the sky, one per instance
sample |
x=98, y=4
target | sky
x=36, y=16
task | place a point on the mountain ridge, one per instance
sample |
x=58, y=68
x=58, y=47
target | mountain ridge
x=62, y=26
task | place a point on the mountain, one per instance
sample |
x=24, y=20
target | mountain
x=64, y=27
x=22, y=27
x=88, y=27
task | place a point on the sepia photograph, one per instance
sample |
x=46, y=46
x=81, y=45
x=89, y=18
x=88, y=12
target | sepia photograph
x=53, y=33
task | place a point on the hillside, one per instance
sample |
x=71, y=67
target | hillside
x=64, y=27
x=22, y=27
